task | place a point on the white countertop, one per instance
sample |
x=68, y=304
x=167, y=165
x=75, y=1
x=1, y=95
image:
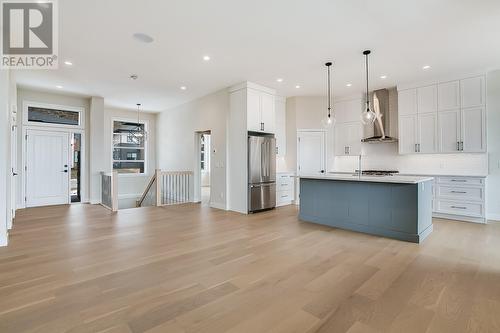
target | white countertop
x=375, y=179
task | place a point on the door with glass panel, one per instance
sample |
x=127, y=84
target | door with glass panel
x=47, y=168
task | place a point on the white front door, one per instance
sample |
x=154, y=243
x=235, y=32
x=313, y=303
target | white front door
x=47, y=162
x=311, y=152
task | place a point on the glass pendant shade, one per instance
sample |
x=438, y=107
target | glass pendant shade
x=368, y=117
x=329, y=121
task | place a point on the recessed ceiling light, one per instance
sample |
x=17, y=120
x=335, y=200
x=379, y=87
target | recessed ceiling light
x=59, y=87
x=133, y=76
x=142, y=37
x=349, y=85
x=68, y=63
x=183, y=87
x=297, y=87
x=383, y=77
x=426, y=67
x=206, y=58
x=279, y=80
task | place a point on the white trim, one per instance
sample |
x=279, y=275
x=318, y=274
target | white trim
x=479, y=220
x=80, y=110
x=83, y=160
x=493, y=217
x=251, y=85
x=146, y=146
x=445, y=79
x=218, y=205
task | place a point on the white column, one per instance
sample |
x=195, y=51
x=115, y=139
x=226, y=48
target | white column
x=97, y=147
x=4, y=153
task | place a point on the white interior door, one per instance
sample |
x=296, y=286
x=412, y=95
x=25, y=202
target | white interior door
x=311, y=152
x=47, y=162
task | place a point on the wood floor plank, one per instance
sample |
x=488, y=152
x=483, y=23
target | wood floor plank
x=187, y=268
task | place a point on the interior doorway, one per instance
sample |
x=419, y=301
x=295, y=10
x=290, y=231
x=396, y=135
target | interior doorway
x=203, y=176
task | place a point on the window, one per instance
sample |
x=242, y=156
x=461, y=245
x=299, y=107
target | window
x=53, y=116
x=129, y=147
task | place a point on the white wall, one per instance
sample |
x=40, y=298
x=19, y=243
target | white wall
x=4, y=153
x=493, y=181
x=24, y=94
x=130, y=187
x=176, y=139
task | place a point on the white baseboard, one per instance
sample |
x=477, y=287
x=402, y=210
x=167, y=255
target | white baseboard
x=218, y=205
x=493, y=217
x=459, y=218
x=4, y=239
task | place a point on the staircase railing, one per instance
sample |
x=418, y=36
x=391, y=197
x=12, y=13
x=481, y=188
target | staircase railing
x=109, y=190
x=168, y=188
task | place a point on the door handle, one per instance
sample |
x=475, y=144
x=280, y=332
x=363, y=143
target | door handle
x=322, y=171
x=65, y=171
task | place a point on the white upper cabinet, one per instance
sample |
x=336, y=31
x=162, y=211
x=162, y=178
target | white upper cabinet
x=407, y=102
x=260, y=111
x=348, y=138
x=449, y=95
x=280, y=110
x=427, y=99
x=268, y=114
x=449, y=131
x=472, y=91
x=427, y=133
x=408, y=134
x=459, y=125
x=473, y=129
x=254, y=122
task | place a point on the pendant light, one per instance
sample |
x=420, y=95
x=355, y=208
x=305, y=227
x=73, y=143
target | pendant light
x=329, y=120
x=368, y=116
x=141, y=129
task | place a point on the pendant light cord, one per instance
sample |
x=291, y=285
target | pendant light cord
x=328, y=65
x=366, y=53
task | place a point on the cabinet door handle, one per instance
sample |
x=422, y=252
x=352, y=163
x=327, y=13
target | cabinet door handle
x=418, y=145
x=461, y=146
x=458, y=207
x=415, y=149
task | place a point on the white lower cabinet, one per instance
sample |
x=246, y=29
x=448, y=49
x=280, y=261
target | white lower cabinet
x=284, y=189
x=459, y=198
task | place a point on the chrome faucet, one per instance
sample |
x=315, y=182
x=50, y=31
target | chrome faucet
x=360, y=172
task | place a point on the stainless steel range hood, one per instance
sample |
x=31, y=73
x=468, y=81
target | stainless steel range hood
x=382, y=124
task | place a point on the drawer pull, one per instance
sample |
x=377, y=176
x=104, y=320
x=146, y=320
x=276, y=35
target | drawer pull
x=463, y=192
x=459, y=180
x=458, y=207
x=284, y=196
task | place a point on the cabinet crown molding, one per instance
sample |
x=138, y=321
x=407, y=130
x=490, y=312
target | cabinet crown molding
x=444, y=79
x=251, y=85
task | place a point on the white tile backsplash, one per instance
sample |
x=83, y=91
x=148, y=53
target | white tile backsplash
x=385, y=156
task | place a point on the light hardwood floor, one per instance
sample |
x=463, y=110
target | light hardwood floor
x=194, y=269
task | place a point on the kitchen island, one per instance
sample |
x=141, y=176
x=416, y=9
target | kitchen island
x=398, y=207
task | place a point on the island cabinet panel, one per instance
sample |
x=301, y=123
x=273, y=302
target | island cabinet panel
x=394, y=210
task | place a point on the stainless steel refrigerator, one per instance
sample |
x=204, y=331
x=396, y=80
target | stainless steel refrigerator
x=261, y=172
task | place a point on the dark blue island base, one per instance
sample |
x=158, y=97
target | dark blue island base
x=395, y=210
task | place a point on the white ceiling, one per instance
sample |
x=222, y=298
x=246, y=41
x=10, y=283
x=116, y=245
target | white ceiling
x=261, y=41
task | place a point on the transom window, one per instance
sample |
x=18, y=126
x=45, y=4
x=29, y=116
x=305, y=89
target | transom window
x=129, y=147
x=48, y=115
